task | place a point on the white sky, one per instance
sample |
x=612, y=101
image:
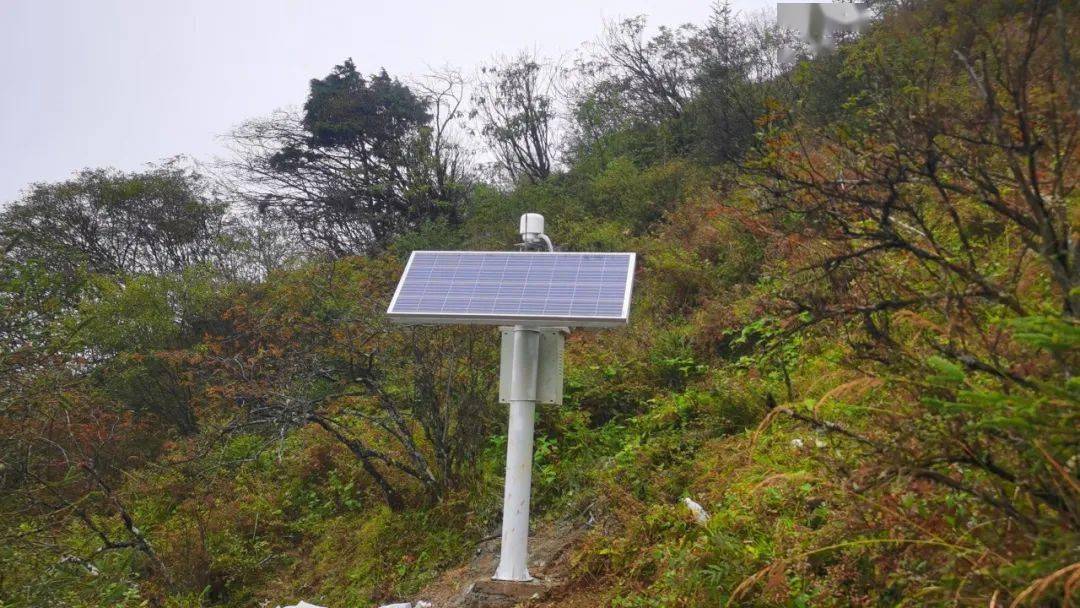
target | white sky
x=94, y=83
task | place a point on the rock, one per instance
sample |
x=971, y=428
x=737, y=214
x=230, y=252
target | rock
x=503, y=594
x=701, y=516
x=398, y=605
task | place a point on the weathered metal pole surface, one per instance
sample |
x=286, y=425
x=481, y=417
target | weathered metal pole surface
x=514, y=555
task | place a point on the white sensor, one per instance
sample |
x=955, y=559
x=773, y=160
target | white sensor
x=532, y=226
x=532, y=231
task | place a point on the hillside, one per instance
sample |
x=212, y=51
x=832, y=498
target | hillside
x=854, y=333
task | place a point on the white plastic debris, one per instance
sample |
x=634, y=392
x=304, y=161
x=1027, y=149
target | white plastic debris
x=796, y=443
x=91, y=569
x=423, y=604
x=701, y=516
x=302, y=604
x=398, y=605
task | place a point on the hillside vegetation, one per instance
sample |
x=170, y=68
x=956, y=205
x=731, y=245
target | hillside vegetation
x=854, y=332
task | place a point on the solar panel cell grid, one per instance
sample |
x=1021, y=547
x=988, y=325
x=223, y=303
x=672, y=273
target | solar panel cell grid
x=499, y=287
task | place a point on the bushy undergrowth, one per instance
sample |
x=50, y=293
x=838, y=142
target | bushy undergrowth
x=851, y=347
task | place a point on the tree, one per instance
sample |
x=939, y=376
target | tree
x=314, y=349
x=64, y=453
x=31, y=299
x=655, y=76
x=359, y=166
x=634, y=85
x=130, y=333
x=736, y=74
x=446, y=158
x=516, y=101
x=945, y=204
x=157, y=221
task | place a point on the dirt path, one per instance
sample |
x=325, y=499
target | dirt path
x=550, y=548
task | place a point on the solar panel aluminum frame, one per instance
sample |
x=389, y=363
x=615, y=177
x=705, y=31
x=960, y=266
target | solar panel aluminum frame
x=465, y=318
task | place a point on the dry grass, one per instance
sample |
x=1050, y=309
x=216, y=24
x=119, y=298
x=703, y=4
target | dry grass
x=1036, y=590
x=849, y=391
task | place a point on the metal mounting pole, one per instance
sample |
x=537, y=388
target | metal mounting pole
x=514, y=553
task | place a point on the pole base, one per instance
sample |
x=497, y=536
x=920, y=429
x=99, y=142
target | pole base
x=506, y=579
x=499, y=594
x=512, y=570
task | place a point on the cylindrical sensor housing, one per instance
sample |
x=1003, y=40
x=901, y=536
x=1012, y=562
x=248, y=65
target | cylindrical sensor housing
x=531, y=227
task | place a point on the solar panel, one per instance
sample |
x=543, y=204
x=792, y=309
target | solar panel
x=519, y=288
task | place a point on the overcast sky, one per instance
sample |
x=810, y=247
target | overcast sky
x=94, y=83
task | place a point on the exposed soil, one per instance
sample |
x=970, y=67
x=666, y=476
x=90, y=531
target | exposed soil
x=550, y=547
